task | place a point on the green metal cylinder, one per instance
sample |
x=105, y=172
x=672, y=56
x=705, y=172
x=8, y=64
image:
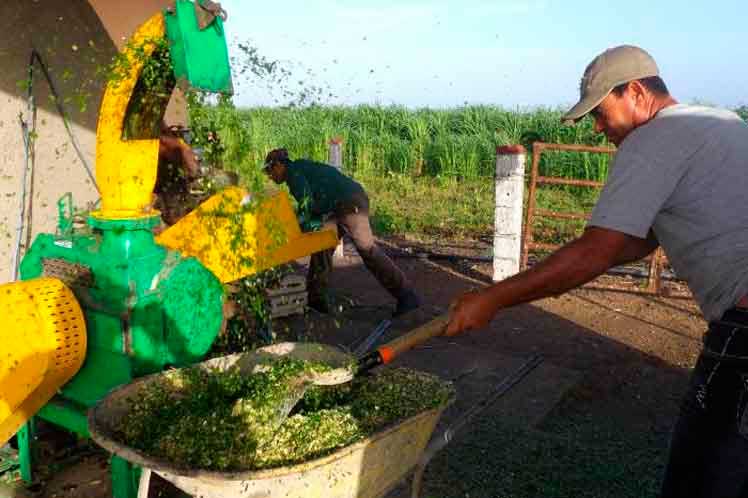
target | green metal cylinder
x=146, y=307
x=126, y=239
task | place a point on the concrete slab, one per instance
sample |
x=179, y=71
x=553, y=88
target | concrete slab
x=528, y=403
x=477, y=374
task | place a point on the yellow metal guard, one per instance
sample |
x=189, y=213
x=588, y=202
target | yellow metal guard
x=44, y=345
x=126, y=169
x=235, y=238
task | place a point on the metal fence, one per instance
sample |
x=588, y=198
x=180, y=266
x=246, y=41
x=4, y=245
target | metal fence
x=656, y=261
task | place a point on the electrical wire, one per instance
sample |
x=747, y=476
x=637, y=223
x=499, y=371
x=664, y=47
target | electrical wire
x=29, y=136
x=35, y=56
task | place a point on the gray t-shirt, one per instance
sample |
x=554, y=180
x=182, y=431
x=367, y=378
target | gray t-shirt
x=684, y=175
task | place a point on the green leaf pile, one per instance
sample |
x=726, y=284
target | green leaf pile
x=191, y=420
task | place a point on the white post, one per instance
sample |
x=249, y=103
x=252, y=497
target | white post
x=510, y=187
x=335, y=158
x=335, y=152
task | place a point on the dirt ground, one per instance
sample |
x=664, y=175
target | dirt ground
x=591, y=420
x=594, y=419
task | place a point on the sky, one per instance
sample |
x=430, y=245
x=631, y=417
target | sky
x=509, y=53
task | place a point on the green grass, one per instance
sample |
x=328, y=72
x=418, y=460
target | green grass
x=429, y=207
x=458, y=143
x=428, y=172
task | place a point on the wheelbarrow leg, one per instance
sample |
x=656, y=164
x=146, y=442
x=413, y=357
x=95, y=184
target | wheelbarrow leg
x=145, y=483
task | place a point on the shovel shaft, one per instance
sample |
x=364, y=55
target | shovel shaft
x=388, y=352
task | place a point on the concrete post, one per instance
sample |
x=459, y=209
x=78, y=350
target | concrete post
x=510, y=184
x=335, y=158
x=335, y=152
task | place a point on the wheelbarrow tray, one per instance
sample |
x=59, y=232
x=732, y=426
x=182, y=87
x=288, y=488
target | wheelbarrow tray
x=366, y=469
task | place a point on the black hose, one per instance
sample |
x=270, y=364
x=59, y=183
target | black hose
x=435, y=256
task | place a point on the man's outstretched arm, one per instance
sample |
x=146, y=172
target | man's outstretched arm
x=571, y=266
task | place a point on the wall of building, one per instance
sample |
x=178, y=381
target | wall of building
x=75, y=39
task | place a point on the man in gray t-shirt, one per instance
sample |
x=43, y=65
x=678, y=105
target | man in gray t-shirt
x=684, y=176
x=680, y=180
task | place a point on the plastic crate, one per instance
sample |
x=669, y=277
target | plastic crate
x=289, y=297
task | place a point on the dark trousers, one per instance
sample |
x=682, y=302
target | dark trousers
x=352, y=218
x=709, y=448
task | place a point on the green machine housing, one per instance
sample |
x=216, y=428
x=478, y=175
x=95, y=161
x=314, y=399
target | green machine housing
x=146, y=307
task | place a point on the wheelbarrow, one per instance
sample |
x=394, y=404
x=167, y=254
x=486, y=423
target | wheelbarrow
x=369, y=468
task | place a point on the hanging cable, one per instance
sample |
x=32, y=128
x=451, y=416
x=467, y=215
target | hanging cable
x=35, y=56
x=28, y=154
x=28, y=130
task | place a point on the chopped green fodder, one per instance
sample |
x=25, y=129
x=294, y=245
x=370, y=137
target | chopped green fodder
x=193, y=420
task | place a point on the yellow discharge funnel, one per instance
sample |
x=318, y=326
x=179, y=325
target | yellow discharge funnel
x=44, y=345
x=126, y=169
x=234, y=235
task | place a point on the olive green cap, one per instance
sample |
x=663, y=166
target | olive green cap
x=613, y=67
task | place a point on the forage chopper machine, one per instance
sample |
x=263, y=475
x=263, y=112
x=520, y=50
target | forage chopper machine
x=99, y=307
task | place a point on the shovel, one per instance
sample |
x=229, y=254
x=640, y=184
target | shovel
x=344, y=367
x=382, y=355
